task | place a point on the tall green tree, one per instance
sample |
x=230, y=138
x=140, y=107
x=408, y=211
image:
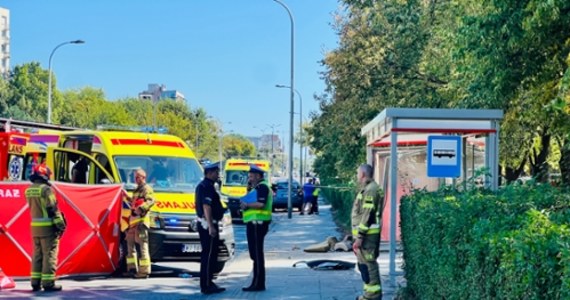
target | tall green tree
x=88, y=108
x=28, y=94
x=383, y=60
x=235, y=145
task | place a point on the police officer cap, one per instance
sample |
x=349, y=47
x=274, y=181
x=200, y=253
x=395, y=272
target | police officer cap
x=255, y=169
x=212, y=167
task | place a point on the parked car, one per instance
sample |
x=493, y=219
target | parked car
x=280, y=198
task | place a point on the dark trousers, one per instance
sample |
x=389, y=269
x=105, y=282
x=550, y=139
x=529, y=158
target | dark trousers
x=255, y=237
x=315, y=204
x=208, y=257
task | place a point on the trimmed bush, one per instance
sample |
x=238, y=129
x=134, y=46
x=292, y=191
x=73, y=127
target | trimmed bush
x=340, y=198
x=512, y=244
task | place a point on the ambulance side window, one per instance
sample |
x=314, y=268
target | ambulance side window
x=62, y=169
x=104, y=161
x=77, y=168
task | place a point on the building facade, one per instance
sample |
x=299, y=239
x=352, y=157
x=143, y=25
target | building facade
x=156, y=92
x=4, y=41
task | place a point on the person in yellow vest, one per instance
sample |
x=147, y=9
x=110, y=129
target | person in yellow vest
x=48, y=224
x=257, y=216
x=366, y=220
x=316, y=196
x=139, y=224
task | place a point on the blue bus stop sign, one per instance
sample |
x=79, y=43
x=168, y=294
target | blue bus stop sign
x=444, y=156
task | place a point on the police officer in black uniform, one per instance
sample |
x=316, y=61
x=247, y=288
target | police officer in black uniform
x=210, y=212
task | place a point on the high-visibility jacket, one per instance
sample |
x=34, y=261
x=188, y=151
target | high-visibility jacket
x=367, y=211
x=142, y=198
x=260, y=214
x=47, y=220
x=316, y=192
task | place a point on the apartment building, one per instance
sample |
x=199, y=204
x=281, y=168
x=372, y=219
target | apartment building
x=4, y=41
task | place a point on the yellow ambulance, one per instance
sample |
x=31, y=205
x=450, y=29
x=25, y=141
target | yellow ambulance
x=235, y=180
x=172, y=170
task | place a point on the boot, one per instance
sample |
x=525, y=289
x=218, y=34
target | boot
x=53, y=288
x=252, y=288
x=140, y=276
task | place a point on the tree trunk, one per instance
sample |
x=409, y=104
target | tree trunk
x=564, y=162
x=538, y=165
x=513, y=173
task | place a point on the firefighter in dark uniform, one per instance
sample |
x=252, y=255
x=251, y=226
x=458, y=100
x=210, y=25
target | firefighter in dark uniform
x=210, y=213
x=48, y=225
x=366, y=221
x=257, y=216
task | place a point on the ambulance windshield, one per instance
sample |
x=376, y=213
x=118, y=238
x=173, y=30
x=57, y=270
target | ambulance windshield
x=236, y=178
x=165, y=174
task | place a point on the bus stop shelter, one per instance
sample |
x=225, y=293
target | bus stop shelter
x=395, y=129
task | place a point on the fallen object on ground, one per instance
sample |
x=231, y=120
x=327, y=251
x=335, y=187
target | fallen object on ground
x=325, y=264
x=325, y=246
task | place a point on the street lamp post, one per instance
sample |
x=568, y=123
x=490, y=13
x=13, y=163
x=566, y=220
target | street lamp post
x=290, y=189
x=272, y=126
x=300, y=130
x=49, y=75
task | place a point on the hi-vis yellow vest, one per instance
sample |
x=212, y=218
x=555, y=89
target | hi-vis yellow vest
x=263, y=214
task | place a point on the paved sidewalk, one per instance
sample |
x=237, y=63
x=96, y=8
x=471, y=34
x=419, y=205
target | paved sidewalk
x=284, y=247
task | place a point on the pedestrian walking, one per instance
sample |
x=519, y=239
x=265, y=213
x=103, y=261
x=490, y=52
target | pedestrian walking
x=257, y=216
x=48, y=225
x=139, y=224
x=308, y=190
x=366, y=220
x=210, y=213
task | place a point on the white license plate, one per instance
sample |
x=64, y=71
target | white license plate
x=186, y=248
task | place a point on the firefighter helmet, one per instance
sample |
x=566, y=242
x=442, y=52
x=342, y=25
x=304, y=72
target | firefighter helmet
x=40, y=171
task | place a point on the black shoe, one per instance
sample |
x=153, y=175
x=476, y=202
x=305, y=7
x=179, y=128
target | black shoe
x=217, y=286
x=253, y=289
x=301, y=213
x=212, y=290
x=53, y=288
x=36, y=288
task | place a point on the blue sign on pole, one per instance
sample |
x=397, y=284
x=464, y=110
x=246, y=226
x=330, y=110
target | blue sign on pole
x=444, y=156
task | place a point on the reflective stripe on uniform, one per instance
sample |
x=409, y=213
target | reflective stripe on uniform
x=42, y=222
x=368, y=205
x=144, y=262
x=36, y=275
x=133, y=222
x=33, y=192
x=131, y=260
x=373, y=229
x=48, y=276
x=372, y=288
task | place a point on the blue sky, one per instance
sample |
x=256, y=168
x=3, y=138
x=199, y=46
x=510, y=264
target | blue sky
x=223, y=55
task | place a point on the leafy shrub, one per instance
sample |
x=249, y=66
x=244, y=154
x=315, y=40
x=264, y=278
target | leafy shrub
x=340, y=198
x=510, y=244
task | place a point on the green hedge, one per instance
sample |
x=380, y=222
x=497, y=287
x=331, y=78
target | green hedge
x=340, y=198
x=512, y=244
